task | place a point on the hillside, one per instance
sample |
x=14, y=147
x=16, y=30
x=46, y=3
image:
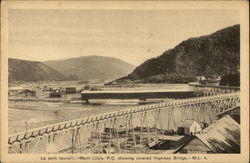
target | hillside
x=215, y=54
x=22, y=70
x=91, y=67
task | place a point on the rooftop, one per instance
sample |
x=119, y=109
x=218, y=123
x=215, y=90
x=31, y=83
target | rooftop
x=222, y=136
x=186, y=123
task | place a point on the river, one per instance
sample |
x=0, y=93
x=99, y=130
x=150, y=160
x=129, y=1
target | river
x=37, y=114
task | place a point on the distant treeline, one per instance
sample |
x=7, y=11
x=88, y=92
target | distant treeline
x=169, y=78
x=231, y=80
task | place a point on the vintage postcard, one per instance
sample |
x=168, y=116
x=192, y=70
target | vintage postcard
x=124, y=81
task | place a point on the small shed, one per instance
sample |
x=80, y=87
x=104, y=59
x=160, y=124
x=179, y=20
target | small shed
x=188, y=127
x=222, y=136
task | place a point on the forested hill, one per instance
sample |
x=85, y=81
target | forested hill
x=23, y=70
x=91, y=67
x=215, y=54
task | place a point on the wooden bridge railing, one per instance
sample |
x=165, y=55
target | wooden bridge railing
x=77, y=136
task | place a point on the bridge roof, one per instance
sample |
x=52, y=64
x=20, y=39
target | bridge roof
x=137, y=91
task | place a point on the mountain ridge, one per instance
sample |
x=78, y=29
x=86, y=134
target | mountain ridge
x=92, y=67
x=31, y=71
x=214, y=54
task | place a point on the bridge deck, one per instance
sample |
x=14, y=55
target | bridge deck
x=209, y=86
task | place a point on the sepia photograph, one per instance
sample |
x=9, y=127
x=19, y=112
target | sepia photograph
x=123, y=80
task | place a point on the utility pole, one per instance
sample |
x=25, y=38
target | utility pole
x=26, y=126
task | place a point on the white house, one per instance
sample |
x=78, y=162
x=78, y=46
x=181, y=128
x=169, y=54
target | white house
x=188, y=127
x=200, y=78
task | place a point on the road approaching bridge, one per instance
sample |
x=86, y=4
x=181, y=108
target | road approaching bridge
x=136, y=94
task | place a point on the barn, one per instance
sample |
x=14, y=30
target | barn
x=222, y=136
x=188, y=127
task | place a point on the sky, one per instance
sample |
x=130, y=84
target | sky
x=131, y=35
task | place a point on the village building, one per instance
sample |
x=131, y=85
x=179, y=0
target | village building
x=213, y=82
x=15, y=90
x=188, y=127
x=200, y=78
x=20, y=91
x=223, y=136
x=70, y=90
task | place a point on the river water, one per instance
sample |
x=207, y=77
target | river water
x=37, y=114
